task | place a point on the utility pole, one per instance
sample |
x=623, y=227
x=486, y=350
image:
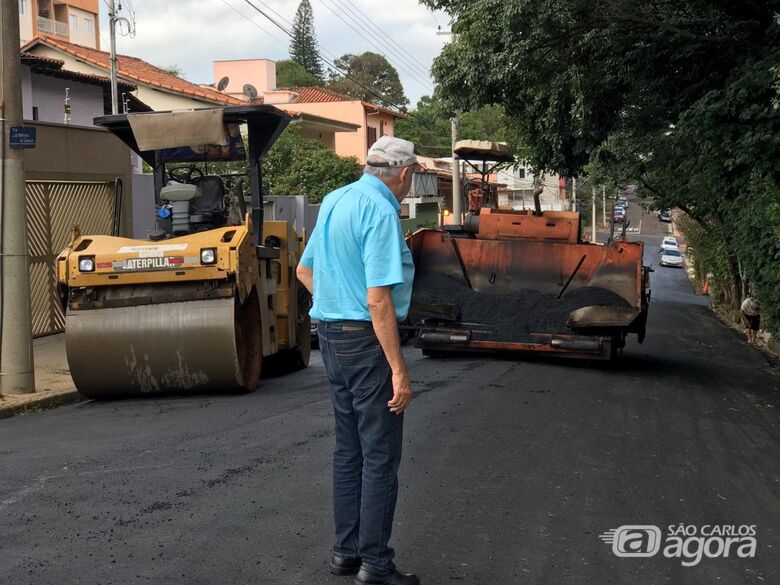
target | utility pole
x=457, y=197
x=573, y=202
x=604, y=205
x=593, y=215
x=17, y=375
x=612, y=220
x=112, y=20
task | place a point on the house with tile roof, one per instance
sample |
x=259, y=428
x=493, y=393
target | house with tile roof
x=372, y=121
x=156, y=88
x=55, y=95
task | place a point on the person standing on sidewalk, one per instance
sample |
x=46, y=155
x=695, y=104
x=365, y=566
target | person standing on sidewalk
x=359, y=270
x=751, y=313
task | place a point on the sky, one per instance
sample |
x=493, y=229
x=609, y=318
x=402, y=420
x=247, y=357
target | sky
x=193, y=33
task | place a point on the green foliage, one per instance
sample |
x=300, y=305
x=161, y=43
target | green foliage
x=296, y=165
x=303, y=47
x=678, y=97
x=430, y=129
x=174, y=70
x=289, y=73
x=372, y=71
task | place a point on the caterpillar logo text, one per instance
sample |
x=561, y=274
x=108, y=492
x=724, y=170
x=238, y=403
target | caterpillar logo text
x=149, y=263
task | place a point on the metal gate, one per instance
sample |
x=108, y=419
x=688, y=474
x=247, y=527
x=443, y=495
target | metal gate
x=52, y=208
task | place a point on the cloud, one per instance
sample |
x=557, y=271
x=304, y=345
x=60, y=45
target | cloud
x=193, y=33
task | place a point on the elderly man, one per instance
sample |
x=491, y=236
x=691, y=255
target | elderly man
x=359, y=270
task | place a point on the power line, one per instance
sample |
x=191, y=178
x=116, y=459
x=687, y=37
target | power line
x=409, y=69
x=237, y=11
x=367, y=18
x=362, y=21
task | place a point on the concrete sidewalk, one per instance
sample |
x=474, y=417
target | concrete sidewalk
x=53, y=384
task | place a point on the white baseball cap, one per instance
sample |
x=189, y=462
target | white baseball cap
x=390, y=151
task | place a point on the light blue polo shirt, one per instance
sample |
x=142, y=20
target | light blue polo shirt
x=358, y=243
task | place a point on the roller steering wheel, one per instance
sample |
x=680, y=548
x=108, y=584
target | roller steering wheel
x=184, y=174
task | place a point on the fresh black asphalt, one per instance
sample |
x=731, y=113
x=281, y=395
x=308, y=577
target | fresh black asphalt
x=511, y=471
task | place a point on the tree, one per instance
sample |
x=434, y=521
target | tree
x=291, y=74
x=297, y=165
x=303, y=47
x=372, y=71
x=173, y=70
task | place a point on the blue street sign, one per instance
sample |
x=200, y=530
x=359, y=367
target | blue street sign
x=22, y=137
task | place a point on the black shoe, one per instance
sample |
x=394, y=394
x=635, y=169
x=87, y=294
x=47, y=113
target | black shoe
x=366, y=577
x=344, y=565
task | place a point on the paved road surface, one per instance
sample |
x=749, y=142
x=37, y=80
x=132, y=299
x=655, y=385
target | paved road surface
x=511, y=471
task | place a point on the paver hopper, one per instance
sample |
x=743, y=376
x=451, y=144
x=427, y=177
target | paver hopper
x=212, y=293
x=523, y=281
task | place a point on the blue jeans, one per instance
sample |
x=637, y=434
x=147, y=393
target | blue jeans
x=368, y=445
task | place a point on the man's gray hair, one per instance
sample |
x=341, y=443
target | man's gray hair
x=384, y=173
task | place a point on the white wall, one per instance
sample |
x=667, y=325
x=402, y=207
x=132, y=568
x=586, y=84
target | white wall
x=82, y=33
x=26, y=93
x=25, y=20
x=48, y=95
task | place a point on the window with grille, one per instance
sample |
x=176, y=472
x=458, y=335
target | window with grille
x=371, y=136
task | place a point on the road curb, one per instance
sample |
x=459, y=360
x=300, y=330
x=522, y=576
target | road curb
x=38, y=403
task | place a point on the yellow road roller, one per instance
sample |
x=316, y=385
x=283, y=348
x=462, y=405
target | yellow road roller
x=211, y=294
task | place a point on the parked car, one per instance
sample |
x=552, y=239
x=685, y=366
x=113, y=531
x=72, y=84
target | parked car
x=669, y=243
x=623, y=202
x=672, y=257
x=665, y=215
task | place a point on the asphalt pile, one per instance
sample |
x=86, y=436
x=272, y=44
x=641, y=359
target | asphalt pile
x=511, y=316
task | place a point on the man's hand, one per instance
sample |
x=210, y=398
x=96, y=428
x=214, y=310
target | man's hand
x=402, y=394
x=380, y=306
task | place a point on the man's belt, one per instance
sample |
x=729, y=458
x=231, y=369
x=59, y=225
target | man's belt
x=349, y=325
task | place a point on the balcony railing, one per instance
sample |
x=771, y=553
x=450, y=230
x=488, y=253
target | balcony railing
x=47, y=25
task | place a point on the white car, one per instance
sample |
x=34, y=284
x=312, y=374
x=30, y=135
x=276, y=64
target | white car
x=672, y=257
x=669, y=243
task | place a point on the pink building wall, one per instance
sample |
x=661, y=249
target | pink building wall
x=349, y=143
x=259, y=72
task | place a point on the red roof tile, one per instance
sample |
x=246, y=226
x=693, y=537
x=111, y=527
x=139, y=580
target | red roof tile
x=33, y=59
x=136, y=69
x=310, y=95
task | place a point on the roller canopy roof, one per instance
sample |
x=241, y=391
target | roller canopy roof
x=483, y=150
x=265, y=124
